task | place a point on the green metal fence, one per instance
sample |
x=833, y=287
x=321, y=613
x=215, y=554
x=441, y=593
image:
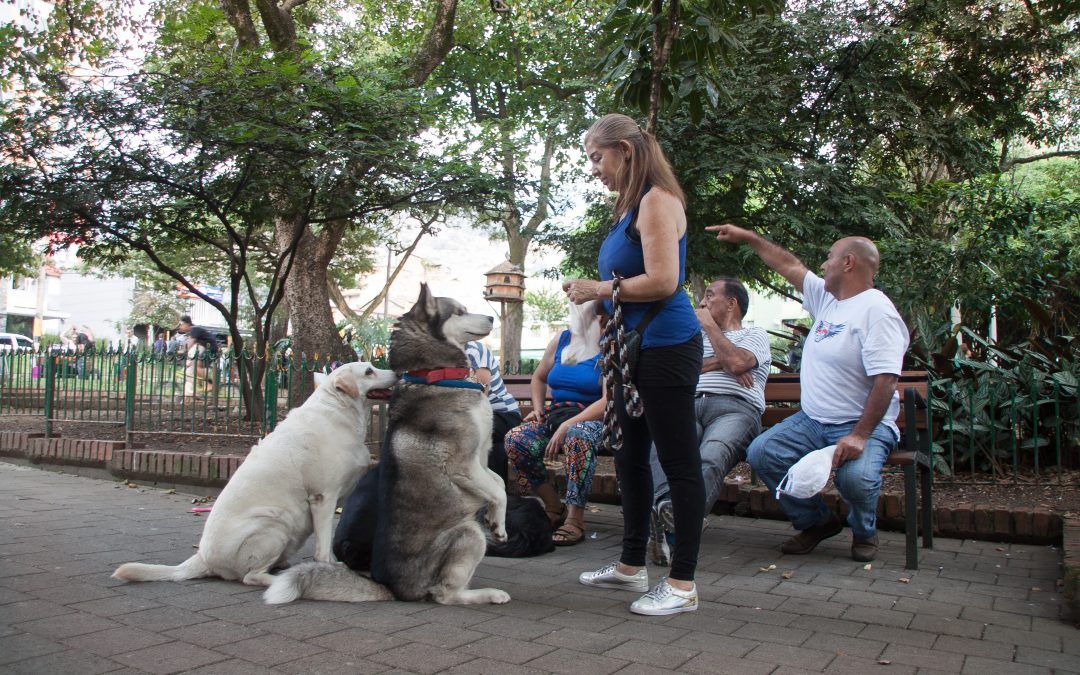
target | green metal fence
x=988, y=425
x=224, y=394
x=983, y=426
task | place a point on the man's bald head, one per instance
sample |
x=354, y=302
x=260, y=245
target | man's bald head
x=863, y=250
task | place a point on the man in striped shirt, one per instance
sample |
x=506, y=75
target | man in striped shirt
x=504, y=408
x=730, y=400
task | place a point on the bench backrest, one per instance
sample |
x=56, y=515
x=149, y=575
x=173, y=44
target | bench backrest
x=782, y=394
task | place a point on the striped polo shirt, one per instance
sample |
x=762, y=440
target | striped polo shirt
x=481, y=357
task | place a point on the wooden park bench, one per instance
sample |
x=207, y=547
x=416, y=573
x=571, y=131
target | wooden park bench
x=912, y=455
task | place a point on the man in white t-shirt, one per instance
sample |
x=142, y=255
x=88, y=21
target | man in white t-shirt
x=729, y=401
x=850, y=365
x=505, y=412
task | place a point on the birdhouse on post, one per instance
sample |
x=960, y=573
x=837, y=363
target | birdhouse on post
x=505, y=283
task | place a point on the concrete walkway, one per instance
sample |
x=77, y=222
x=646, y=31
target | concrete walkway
x=974, y=607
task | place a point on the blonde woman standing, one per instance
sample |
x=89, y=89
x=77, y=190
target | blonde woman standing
x=646, y=249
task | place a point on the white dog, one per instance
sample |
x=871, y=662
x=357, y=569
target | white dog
x=287, y=487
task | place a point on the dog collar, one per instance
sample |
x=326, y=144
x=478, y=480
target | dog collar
x=442, y=377
x=433, y=375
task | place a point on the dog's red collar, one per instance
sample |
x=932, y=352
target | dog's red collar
x=437, y=374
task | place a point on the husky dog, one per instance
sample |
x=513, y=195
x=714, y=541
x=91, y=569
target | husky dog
x=433, y=476
x=287, y=488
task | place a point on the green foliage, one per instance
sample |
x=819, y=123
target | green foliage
x=16, y=256
x=1009, y=407
x=370, y=339
x=546, y=308
x=156, y=308
x=690, y=79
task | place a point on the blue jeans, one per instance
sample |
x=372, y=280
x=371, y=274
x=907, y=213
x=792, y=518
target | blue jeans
x=858, y=480
x=725, y=426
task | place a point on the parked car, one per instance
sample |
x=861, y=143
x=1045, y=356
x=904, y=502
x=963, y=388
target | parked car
x=12, y=341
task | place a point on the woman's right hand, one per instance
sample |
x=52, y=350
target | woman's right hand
x=534, y=416
x=551, y=452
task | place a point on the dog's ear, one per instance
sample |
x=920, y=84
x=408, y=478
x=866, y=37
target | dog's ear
x=426, y=301
x=345, y=380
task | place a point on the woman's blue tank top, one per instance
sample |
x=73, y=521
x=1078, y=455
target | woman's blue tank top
x=621, y=254
x=579, y=383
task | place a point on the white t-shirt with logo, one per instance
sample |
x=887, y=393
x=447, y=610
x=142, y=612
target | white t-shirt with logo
x=850, y=342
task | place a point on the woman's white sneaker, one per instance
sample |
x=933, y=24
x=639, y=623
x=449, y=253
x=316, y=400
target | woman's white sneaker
x=665, y=599
x=609, y=576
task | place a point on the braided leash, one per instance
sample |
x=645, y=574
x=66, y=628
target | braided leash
x=617, y=366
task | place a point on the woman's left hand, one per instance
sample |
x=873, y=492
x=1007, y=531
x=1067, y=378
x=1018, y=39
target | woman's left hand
x=555, y=444
x=580, y=291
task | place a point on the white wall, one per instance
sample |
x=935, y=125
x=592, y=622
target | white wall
x=97, y=303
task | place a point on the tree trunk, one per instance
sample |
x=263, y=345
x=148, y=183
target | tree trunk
x=314, y=335
x=513, y=312
x=662, y=42
x=513, y=315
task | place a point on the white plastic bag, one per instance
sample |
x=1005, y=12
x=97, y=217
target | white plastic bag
x=808, y=476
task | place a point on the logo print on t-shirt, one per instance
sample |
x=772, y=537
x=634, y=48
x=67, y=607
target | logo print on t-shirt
x=825, y=330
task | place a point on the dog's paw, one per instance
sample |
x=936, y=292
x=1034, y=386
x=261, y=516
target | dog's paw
x=497, y=597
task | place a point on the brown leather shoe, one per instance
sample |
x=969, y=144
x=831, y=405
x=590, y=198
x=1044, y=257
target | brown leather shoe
x=808, y=539
x=864, y=550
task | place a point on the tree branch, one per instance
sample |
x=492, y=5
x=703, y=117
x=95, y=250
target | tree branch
x=661, y=52
x=1008, y=164
x=238, y=14
x=279, y=25
x=425, y=227
x=290, y=5
x=338, y=299
x=437, y=44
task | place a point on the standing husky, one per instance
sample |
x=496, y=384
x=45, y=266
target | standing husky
x=433, y=475
x=287, y=487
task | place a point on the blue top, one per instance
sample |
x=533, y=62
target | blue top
x=579, y=383
x=620, y=253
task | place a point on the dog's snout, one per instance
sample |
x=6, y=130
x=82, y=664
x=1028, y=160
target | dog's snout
x=491, y=320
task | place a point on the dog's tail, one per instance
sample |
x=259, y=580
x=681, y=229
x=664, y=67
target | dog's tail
x=192, y=568
x=324, y=581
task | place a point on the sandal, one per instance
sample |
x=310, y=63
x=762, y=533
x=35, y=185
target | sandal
x=568, y=535
x=557, y=517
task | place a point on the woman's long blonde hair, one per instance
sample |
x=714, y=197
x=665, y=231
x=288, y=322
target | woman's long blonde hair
x=646, y=165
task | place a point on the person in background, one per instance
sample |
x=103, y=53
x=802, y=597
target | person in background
x=84, y=348
x=570, y=424
x=160, y=343
x=646, y=249
x=851, y=363
x=201, y=345
x=728, y=405
x=505, y=412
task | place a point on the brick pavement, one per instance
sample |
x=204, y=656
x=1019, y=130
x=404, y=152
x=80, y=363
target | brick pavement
x=974, y=607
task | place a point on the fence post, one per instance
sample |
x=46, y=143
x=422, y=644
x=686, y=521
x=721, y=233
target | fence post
x=50, y=391
x=129, y=398
x=270, y=396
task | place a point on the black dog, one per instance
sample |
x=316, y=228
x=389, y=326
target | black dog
x=527, y=526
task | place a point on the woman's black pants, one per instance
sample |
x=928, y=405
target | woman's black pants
x=666, y=378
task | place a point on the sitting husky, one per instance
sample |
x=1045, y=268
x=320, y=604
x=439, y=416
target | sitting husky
x=433, y=476
x=287, y=487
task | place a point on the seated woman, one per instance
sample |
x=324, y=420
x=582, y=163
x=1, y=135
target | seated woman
x=571, y=423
